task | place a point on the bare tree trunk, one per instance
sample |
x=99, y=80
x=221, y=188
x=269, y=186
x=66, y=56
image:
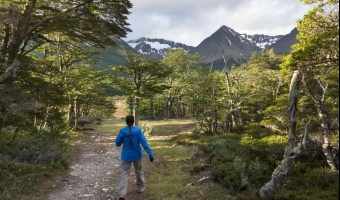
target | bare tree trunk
x=136, y=111
x=215, y=122
x=168, y=106
x=279, y=174
x=324, y=122
x=226, y=72
x=75, y=113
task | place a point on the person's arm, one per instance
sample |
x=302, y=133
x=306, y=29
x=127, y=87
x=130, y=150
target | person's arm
x=119, y=139
x=145, y=144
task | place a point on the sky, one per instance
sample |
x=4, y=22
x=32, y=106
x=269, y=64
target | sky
x=191, y=21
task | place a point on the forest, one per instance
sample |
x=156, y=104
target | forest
x=283, y=110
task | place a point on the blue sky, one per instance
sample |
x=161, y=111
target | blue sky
x=191, y=21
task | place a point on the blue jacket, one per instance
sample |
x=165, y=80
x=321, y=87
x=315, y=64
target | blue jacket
x=132, y=148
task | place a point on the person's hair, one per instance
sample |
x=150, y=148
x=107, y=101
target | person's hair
x=130, y=120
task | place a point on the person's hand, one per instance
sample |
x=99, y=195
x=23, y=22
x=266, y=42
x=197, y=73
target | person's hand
x=151, y=159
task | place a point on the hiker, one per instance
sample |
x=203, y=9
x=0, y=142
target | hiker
x=132, y=137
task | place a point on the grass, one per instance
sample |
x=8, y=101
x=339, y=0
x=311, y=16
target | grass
x=29, y=181
x=171, y=173
x=25, y=181
x=108, y=126
x=175, y=166
x=171, y=127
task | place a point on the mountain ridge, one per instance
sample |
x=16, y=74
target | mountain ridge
x=235, y=45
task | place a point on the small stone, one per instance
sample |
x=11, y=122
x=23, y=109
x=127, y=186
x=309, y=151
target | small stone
x=87, y=195
x=105, y=189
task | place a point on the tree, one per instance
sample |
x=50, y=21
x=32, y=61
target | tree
x=26, y=22
x=206, y=92
x=26, y=25
x=144, y=78
x=317, y=58
x=179, y=62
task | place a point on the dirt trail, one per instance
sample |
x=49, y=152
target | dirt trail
x=122, y=109
x=95, y=171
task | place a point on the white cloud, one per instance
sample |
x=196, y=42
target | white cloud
x=191, y=21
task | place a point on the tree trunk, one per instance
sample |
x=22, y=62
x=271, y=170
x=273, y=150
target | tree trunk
x=184, y=114
x=279, y=174
x=136, y=111
x=75, y=113
x=215, y=122
x=152, y=113
x=2, y=116
x=178, y=112
x=324, y=122
x=10, y=72
x=227, y=79
x=168, y=107
x=69, y=111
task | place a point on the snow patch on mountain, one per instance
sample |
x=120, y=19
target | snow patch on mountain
x=261, y=41
x=154, y=45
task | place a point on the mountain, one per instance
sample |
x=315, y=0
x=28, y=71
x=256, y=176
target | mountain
x=262, y=41
x=110, y=56
x=236, y=47
x=231, y=42
x=283, y=45
x=156, y=48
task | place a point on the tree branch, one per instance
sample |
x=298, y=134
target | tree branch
x=11, y=71
x=202, y=179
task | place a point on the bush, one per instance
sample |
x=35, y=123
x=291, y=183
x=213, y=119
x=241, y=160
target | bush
x=197, y=168
x=37, y=151
x=147, y=129
x=96, y=122
x=253, y=173
x=226, y=175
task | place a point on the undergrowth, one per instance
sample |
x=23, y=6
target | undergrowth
x=33, y=160
x=243, y=162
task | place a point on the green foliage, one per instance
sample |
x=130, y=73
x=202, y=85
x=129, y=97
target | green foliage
x=260, y=85
x=311, y=183
x=35, y=151
x=225, y=174
x=233, y=167
x=170, y=175
x=253, y=173
x=18, y=180
x=269, y=144
x=197, y=168
x=318, y=33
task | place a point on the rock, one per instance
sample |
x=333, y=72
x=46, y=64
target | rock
x=87, y=195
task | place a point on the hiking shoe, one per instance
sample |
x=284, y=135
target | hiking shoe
x=122, y=198
x=140, y=190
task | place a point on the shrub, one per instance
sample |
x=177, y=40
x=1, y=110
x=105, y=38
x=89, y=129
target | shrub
x=147, y=129
x=226, y=175
x=96, y=122
x=37, y=151
x=253, y=173
x=197, y=168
